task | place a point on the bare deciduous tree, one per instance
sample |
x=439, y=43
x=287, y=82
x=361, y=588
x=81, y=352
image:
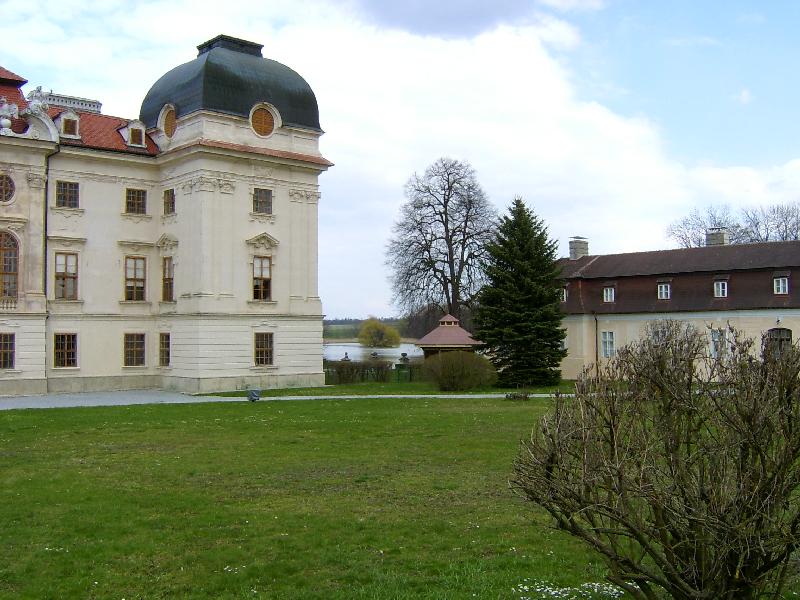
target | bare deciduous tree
x=438, y=243
x=682, y=471
x=773, y=223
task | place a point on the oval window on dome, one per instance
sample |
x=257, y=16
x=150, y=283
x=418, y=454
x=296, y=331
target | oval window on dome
x=263, y=122
x=169, y=122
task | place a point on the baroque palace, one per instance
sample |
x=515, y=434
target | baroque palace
x=175, y=250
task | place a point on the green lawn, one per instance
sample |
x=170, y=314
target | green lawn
x=332, y=499
x=391, y=387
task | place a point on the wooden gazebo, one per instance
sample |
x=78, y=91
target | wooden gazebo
x=448, y=336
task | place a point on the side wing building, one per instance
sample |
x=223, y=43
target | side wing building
x=174, y=250
x=609, y=299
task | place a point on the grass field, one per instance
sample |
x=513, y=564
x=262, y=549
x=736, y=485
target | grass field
x=331, y=499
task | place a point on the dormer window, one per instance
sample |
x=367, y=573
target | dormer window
x=69, y=124
x=133, y=134
x=137, y=137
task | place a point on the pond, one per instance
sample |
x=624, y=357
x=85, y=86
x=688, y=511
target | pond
x=355, y=351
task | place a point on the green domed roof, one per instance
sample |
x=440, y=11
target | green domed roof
x=229, y=75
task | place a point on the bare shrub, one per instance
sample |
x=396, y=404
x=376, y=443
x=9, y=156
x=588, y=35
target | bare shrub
x=681, y=470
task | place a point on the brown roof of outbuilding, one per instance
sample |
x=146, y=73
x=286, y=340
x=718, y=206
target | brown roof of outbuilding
x=733, y=257
x=448, y=335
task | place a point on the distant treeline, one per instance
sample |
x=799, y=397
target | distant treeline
x=340, y=329
x=414, y=326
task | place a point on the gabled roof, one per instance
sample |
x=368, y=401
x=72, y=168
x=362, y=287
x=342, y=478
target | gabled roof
x=101, y=132
x=732, y=257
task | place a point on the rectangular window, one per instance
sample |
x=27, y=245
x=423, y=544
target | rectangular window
x=67, y=194
x=136, y=137
x=608, y=294
x=563, y=294
x=6, y=350
x=720, y=289
x=69, y=127
x=136, y=202
x=134, y=350
x=263, y=349
x=780, y=285
x=718, y=343
x=65, y=350
x=134, y=277
x=169, y=201
x=167, y=273
x=262, y=278
x=163, y=350
x=66, y=276
x=262, y=201
x=664, y=291
x=607, y=344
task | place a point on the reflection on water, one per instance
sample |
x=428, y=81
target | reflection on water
x=335, y=351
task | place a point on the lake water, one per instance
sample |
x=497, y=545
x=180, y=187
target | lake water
x=355, y=351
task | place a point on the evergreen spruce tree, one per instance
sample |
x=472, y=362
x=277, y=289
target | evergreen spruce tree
x=518, y=317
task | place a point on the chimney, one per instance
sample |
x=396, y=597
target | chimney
x=717, y=236
x=578, y=247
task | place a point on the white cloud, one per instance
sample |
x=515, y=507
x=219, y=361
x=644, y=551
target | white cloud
x=392, y=102
x=744, y=96
x=567, y=5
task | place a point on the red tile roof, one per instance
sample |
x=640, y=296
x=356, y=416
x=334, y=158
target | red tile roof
x=101, y=132
x=8, y=76
x=10, y=89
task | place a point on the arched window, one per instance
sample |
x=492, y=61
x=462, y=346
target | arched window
x=778, y=340
x=9, y=266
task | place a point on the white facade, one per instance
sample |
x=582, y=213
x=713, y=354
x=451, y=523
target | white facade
x=213, y=162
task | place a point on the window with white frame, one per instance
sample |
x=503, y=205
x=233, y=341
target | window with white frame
x=780, y=285
x=607, y=344
x=718, y=346
x=608, y=294
x=66, y=276
x=664, y=291
x=564, y=294
x=720, y=289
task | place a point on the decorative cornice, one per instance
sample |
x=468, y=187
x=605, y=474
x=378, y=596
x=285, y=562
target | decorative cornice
x=36, y=181
x=167, y=242
x=135, y=245
x=13, y=223
x=136, y=218
x=262, y=241
x=307, y=196
x=67, y=241
x=67, y=213
x=262, y=217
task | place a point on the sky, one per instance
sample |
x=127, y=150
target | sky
x=611, y=118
